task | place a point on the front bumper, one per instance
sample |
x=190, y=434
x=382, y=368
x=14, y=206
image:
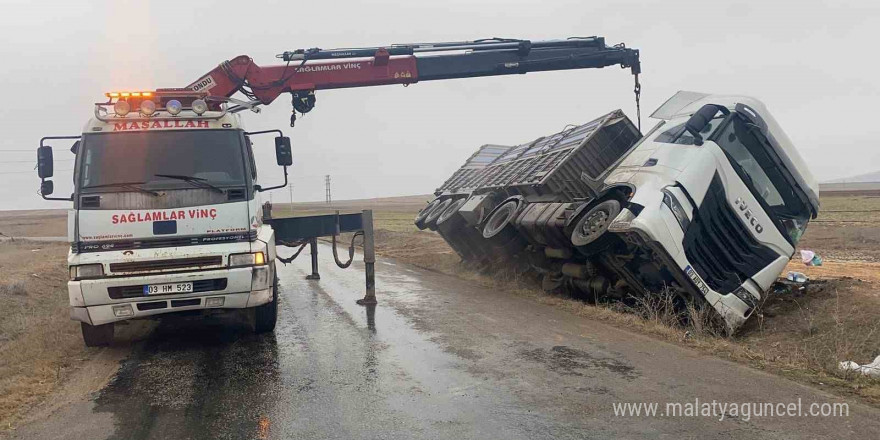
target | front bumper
x=245, y=287
x=732, y=310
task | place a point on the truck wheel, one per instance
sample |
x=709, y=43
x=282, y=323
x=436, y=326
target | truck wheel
x=590, y=230
x=434, y=215
x=424, y=213
x=97, y=335
x=266, y=315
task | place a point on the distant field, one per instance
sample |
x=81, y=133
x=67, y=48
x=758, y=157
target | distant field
x=840, y=232
x=34, y=223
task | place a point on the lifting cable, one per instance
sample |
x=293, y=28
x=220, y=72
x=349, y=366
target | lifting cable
x=350, y=251
x=638, y=92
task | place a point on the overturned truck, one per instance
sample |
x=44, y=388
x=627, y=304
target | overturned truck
x=708, y=205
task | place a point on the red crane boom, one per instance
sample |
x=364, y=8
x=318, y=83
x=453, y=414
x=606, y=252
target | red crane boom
x=308, y=70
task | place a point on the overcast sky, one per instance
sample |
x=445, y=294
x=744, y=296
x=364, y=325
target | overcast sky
x=813, y=63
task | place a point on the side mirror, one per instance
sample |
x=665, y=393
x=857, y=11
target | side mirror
x=699, y=120
x=47, y=187
x=283, y=155
x=75, y=147
x=44, y=162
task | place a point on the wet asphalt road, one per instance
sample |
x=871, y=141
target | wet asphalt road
x=438, y=358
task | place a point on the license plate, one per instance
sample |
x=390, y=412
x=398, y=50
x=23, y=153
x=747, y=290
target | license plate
x=162, y=289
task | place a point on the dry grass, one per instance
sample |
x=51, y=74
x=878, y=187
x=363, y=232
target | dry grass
x=802, y=336
x=39, y=344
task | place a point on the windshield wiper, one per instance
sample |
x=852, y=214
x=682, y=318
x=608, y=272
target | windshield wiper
x=194, y=181
x=130, y=185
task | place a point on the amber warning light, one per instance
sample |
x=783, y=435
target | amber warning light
x=129, y=94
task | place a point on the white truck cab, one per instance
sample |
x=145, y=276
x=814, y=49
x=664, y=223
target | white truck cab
x=729, y=195
x=166, y=216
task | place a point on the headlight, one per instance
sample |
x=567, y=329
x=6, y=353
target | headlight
x=148, y=107
x=677, y=210
x=173, y=107
x=249, y=259
x=199, y=106
x=121, y=108
x=86, y=271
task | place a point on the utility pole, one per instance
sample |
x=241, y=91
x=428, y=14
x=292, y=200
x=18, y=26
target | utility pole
x=327, y=198
x=290, y=186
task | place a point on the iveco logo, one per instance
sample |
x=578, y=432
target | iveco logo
x=750, y=218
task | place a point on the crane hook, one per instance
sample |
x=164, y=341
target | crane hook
x=303, y=101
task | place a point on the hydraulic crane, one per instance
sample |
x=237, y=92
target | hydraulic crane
x=308, y=70
x=166, y=213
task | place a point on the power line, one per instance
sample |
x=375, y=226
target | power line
x=823, y=211
x=31, y=151
x=845, y=221
x=24, y=172
x=32, y=161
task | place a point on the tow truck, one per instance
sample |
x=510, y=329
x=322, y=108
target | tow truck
x=167, y=214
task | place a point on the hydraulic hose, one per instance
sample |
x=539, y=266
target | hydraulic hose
x=350, y=251
x=290, y=259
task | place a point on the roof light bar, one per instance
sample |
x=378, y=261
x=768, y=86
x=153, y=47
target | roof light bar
x=129, y=94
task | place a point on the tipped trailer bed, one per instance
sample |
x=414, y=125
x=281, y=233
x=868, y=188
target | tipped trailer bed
x=529, y=191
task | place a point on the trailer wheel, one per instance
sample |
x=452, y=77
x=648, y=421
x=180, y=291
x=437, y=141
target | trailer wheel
x=97, y=335
x=502, y=216
x=423, y=214
x=434, y=215
x=590, y=230
x=266, y=315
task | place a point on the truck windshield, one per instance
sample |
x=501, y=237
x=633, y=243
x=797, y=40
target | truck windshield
x=148, y=158
x=767, y=179
x=678, y=134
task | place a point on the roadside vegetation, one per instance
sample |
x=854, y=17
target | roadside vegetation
x=39, y=343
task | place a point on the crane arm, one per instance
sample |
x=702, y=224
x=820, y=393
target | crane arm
x=307, y=70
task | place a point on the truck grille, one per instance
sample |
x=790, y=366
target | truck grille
x=176, y=263
x=152, y=243
x=720, y=247
x=137, y=291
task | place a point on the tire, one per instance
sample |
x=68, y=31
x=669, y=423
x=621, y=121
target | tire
x=500, y=218
x=266, y=315
x=97, y=335
x=589, y=233
x=431, y=218
x=499, y=231
x=423, y=214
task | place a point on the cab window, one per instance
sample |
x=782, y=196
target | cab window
x=760, y=169
x=250, y=155
x=678, y=134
